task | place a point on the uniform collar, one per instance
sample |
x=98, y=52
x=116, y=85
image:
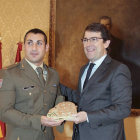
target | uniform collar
x=34, y=66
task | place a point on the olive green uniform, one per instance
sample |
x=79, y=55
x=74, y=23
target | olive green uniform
x=23, y=100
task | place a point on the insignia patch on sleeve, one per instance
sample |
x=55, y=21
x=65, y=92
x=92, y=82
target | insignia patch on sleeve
x=1, y=80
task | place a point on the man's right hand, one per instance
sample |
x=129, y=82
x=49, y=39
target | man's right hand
x=50, y=122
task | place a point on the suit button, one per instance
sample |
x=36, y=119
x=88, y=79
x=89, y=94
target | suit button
x=30, y=93
x=45, y=104
x=100, y=125
x=44, y=90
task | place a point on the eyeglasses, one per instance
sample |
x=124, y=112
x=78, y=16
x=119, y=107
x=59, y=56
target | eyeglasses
x=91, y=40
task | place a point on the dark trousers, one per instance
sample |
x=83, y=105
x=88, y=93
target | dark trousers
x=76, y=135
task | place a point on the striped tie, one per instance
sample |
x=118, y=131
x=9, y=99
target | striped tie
x=40, y=76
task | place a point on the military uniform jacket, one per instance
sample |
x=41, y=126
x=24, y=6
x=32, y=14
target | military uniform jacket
x=23, y=100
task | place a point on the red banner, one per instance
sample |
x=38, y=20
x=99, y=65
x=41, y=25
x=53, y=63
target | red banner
x=0, y=56
x=18, y=55
x=3, y=129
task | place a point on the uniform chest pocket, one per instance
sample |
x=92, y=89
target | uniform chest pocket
x=28, y=95
x=53, y=90
x=52, y=94
x=28, y=91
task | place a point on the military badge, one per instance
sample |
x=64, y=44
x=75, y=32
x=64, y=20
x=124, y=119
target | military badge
x=1, y=80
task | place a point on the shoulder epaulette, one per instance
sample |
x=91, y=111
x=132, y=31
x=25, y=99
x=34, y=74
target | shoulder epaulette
x=11, y=66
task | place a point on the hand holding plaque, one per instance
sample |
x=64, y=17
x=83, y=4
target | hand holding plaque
x=63, y=111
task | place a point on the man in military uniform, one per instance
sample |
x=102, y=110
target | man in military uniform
x=27, y=91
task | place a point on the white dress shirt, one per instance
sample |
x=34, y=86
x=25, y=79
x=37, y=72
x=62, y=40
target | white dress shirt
x=97, y=64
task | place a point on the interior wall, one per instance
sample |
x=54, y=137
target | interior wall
x=16, y=18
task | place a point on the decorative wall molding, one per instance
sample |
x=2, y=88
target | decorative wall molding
x=52, y=33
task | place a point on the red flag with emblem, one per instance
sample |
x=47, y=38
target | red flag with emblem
x=2, y=125
x=2, y=130
x=18, y=55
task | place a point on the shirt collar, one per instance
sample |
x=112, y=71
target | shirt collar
x=34, y=66
x=99, y=61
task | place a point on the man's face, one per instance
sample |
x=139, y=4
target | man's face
x=35, y=48
x=106, y=22
x=96, y=50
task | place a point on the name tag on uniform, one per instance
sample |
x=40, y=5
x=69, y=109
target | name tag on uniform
x=27, y=88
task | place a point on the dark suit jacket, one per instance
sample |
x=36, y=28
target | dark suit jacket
x=23, y=100
x=107, y=100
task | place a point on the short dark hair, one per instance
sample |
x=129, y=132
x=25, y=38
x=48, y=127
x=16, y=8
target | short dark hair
x=106, y=17
x=97, y=27
x=36, y=31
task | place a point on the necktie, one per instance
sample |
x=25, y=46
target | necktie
x=40, y=71
x=88, y=74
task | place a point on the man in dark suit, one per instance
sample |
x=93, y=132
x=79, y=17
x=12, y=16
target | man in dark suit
x=103, y=94
x=116, y=47
x=27, y=91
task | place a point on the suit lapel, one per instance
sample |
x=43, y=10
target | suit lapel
x=29, y=71
x=101, y=69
